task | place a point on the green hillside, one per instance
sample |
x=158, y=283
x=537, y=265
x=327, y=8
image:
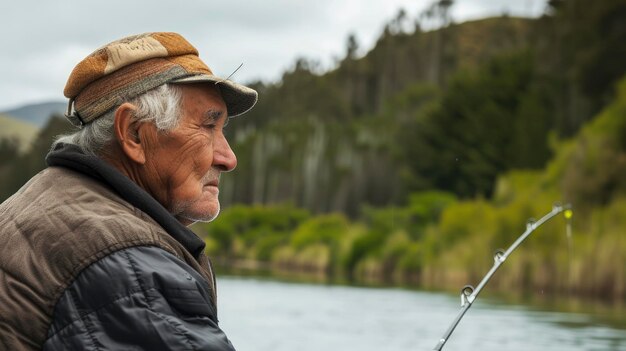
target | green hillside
x=37, y=113
x=450, y=109
x=336, y=125
x=24, y=132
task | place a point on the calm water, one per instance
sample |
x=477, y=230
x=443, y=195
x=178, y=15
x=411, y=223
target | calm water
x=261, y=315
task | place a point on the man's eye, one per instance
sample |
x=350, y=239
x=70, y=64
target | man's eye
x=210, y=126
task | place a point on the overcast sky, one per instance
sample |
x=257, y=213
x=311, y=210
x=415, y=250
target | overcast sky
x=42, y=41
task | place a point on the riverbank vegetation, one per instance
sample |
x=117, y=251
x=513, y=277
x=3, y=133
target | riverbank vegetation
x=437, y=240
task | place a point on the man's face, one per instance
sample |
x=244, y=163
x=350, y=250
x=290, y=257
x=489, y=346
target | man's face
x=183, y=166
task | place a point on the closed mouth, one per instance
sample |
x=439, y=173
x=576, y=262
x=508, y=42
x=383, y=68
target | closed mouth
x=214, y=183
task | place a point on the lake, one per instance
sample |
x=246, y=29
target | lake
x=264, y=315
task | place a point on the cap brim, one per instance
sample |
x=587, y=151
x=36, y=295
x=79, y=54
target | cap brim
x=239, y=98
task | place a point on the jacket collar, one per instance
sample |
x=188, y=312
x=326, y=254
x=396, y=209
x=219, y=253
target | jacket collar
x=71, y=156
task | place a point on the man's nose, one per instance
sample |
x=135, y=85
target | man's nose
x=223, y=156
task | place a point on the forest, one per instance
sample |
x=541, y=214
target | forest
x=412, y=163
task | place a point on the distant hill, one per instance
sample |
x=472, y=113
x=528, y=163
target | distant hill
x=25, y=132
x=37, y=114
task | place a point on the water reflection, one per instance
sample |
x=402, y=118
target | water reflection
x=267, y=315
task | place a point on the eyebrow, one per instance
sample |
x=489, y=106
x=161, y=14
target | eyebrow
x=214, y=116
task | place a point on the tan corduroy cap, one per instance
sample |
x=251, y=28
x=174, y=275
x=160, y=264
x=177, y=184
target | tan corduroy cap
x=133, y=65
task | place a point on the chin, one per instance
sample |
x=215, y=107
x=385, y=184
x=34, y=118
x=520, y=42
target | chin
x=210, y=217
x=191, y=212
x=206, y=215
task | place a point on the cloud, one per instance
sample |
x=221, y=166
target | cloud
x=47, y=38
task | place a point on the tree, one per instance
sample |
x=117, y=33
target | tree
x=352, y=46
x=477, y=130
x=23, y=166
x=9, y=154
x=581, y=46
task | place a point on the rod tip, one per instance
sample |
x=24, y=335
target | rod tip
x=568, y=214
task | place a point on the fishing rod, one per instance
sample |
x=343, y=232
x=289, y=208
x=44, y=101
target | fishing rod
x=469, y=293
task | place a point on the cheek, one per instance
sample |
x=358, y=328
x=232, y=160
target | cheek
x=194, y=164
x=201, y=159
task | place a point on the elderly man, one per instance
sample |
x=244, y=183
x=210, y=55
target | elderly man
x=96, y=253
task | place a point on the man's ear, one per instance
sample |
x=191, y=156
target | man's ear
x=127, y=133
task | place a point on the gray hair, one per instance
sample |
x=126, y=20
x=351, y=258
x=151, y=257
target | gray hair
x=161, y=106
